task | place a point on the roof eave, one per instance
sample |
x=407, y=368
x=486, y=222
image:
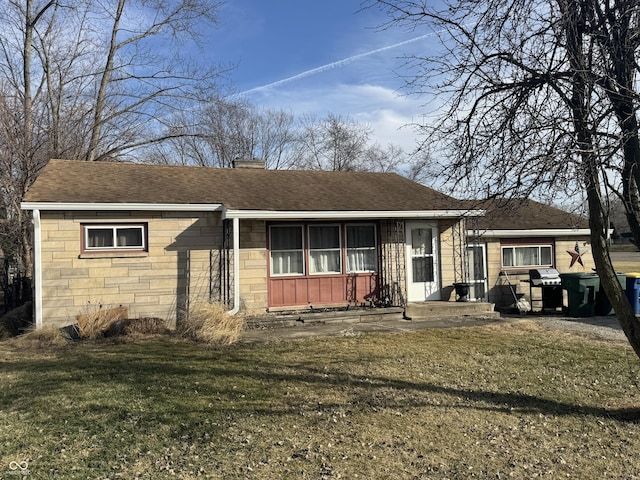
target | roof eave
x=119, y=207
x=549, y=232
x=346, y=214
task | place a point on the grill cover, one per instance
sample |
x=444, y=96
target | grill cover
x=542, y=277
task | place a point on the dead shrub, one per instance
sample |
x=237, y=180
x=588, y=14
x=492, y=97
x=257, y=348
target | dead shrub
x=45, y=337
x=137, y=326
x=96, y=321
x=16, y=321
x=210, y=323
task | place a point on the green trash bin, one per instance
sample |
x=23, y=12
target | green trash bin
x=581, y=292
x=603, y=305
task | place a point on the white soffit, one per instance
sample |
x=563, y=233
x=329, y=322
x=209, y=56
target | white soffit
x=348, y=214
x=119, y=207
x=557, y=232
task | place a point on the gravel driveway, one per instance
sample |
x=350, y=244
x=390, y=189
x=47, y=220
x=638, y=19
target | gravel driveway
x=604, y=328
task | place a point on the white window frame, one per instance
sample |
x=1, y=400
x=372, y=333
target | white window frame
x=374, y=248
x=334, y=249
x=524, y=245
x=301, y=249
x=114, y=228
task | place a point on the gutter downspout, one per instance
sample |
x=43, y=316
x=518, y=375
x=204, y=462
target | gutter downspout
x=37, y=270
x=236, y=267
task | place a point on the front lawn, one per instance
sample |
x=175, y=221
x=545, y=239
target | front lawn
x=500, y=401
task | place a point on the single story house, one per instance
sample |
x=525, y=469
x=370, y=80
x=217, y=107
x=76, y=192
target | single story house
x=154, y=238
x=515, y=236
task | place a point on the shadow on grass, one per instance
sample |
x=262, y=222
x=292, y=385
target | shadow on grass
x=162, y=376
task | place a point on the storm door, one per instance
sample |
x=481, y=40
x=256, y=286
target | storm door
x=422, y=262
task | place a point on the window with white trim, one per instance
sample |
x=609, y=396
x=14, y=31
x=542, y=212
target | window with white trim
x=324, y=249
x=286, y=250
x=527, y=256
x=121, y=237
x=361, y=248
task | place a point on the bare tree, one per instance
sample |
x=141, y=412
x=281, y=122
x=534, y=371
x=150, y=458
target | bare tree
x=89, y=80
x=541, y=97
x=334, y=143
x=222, y=130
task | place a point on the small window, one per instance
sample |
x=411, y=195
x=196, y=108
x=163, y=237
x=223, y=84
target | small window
x=287, y=253
x=527, y=256
x=324, y=249
x=114, y=237
x=361, y=248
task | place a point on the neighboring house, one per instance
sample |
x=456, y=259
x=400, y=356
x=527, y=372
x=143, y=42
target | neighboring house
x=516, y=236
x=154, y=238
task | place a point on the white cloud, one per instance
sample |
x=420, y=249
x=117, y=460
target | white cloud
x=386, y=111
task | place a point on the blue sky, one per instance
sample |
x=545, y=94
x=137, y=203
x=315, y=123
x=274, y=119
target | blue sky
x=320, y=57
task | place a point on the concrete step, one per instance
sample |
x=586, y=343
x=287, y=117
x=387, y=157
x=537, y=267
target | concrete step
x=425, y=310
x=308, y=317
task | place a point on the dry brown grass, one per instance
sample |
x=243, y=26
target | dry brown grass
x=137, y=327
x=16, y=321
x=95, y=320
x=481, y=402
x=210, y=323
x=43, y=338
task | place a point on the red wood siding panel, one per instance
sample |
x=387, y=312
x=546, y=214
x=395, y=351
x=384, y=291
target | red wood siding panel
x=287, y=291
x=362, y=287
x=325, y=289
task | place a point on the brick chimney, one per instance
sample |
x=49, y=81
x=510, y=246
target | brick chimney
x=248, y=163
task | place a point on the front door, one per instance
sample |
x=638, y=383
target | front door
x=422, y=262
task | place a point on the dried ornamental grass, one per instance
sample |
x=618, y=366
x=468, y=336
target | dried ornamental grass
x=45, y=337
x=95, y=321
x=210, y=323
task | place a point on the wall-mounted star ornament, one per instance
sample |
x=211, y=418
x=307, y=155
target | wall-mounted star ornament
x=576, y=256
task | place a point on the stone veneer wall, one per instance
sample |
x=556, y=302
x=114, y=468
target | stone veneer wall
x=253, y=267
x=181, y=246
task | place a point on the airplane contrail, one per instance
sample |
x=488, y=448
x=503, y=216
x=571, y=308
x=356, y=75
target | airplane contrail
x=331, y=65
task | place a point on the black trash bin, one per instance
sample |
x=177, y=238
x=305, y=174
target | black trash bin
x=603, y=305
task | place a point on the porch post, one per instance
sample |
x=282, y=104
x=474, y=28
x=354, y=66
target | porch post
x=236, y=267
x=37, y=269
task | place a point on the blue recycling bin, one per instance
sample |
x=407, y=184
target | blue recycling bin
x=633, y=291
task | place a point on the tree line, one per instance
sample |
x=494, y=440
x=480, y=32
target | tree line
x=116, y=80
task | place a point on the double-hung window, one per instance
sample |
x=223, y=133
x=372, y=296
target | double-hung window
x=287, y=250
x=527, y=256
x=123, y=237
x=324, y=249
x=361, y=248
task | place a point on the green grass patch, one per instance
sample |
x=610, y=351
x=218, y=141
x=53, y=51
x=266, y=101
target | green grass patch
x=506, y=401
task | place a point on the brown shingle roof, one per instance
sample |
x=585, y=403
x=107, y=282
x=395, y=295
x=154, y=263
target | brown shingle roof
x=69, y=181
x=524, y=214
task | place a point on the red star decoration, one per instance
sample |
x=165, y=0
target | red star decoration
x=575, y=257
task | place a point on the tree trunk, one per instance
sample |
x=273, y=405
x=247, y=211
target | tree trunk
x=101, y=98
x=608, y=278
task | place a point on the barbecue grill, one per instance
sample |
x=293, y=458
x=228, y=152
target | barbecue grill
x=548, y=280
x=544, y=277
